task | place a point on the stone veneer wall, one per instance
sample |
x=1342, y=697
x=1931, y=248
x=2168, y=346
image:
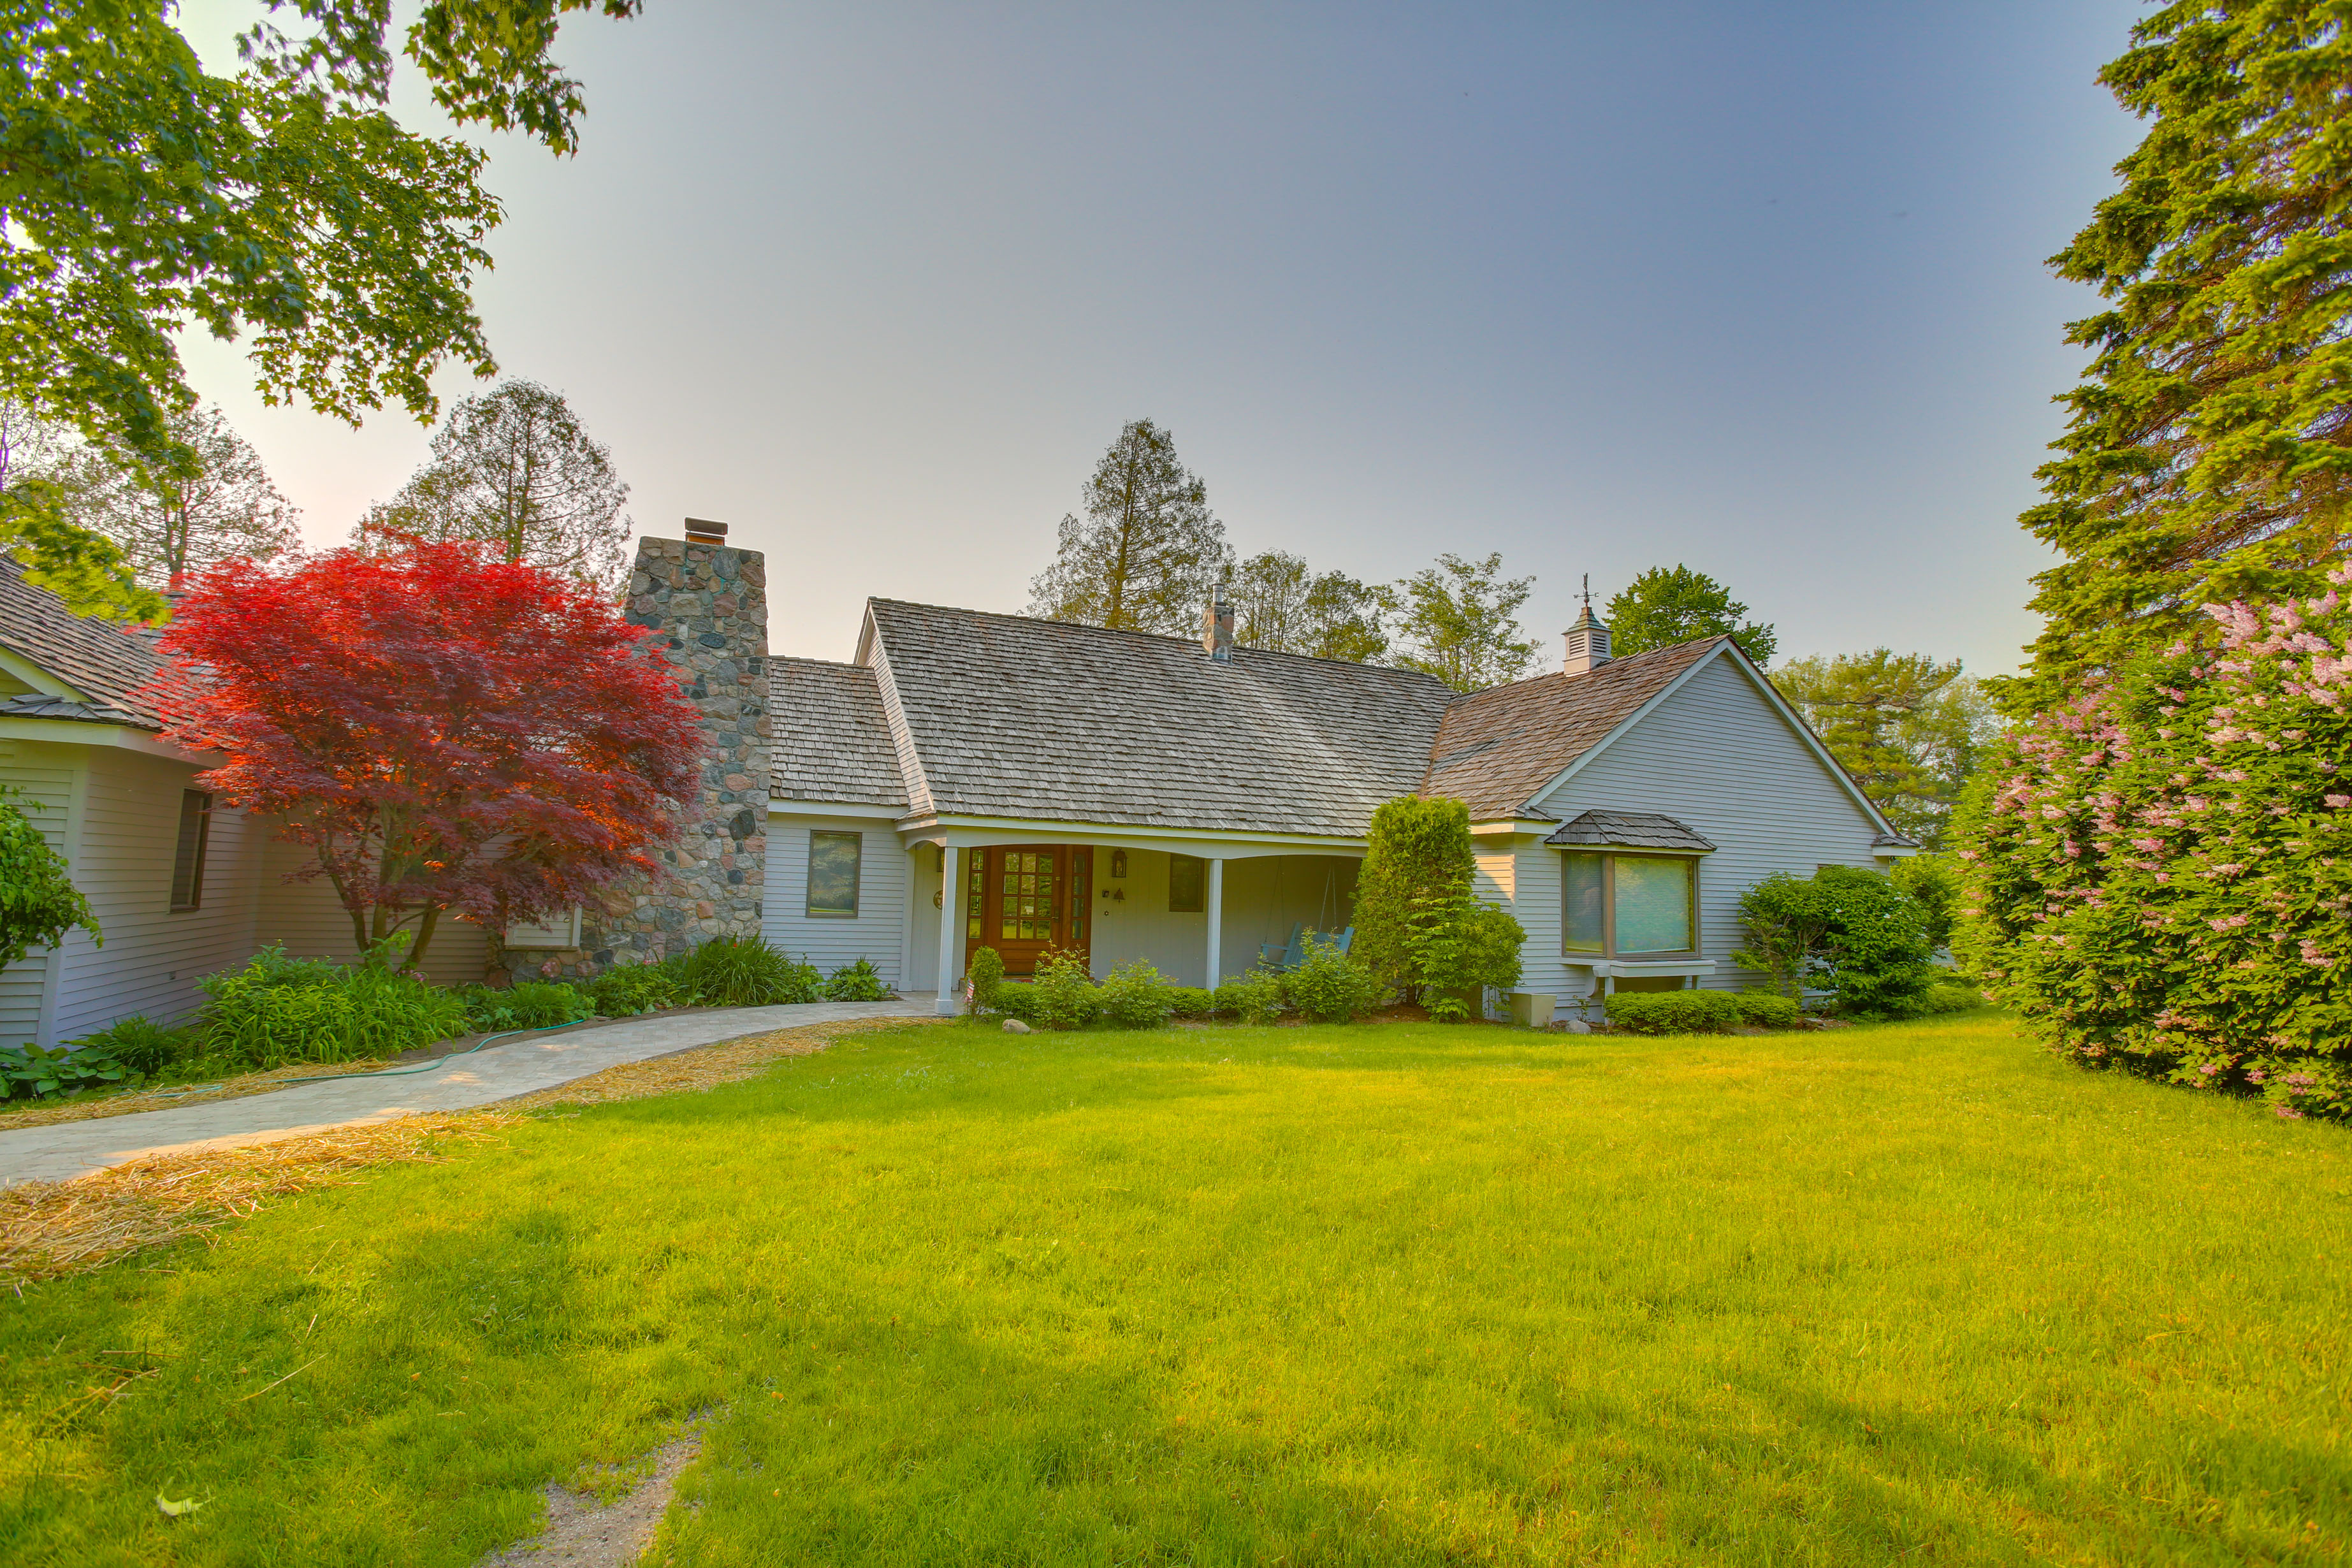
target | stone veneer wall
x=712, y=601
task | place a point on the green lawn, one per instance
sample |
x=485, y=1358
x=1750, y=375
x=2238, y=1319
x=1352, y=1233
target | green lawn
x=1395, y=1294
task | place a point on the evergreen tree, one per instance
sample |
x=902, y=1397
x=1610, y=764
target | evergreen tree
x=2208, y=455
x=514, y=470
x=1911, y=731
x=1148, y=554
x=1458, y=621
x=1669, y=605
x=1283, y=606
x=169, y=521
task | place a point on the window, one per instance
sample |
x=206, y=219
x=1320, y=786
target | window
x=188, y=857
x=1188, y=876
x=1628, y=906
x=833, y=874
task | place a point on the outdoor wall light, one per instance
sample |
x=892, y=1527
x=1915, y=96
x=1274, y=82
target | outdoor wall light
x=1119, y=862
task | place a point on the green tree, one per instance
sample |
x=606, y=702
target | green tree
x=2207, y=451
x=1911, y=731
x=279, y=205
x=84, y=568
x=172, y=521
x=39, y=903
x=1458, y=619
x=1418, y=927
x=515, y=469
x=1148, y=554
x=1669, y=605
x=1282, y=606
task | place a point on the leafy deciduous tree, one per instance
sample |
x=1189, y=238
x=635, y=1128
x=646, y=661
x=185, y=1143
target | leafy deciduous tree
x=1282, y=606
x=279, y=204
x=446, y=733
x=1418, y=926
x=514, y=471
x=1458, y=619
x=1149, y=552
x=1911, y=731
x=1669, y=605
x=169, y=522
x=39, y=903
x=84, y=568
x=2208, y=454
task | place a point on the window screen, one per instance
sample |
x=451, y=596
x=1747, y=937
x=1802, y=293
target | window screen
x=832, y=873
x=188, y=857
x=1581, y=926
x=1187, y=877
x=1653, y=905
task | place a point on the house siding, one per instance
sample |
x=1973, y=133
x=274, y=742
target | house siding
x=1717, y=755
x=128, y=830
x=310, y=921
x=48, y=777
x=877, y=934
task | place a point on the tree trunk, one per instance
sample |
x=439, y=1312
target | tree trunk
x=424, y=939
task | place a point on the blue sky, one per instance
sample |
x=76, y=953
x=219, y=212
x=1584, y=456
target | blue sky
x=1759, y=289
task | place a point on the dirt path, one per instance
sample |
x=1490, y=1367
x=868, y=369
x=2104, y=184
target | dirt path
x=584, y=1533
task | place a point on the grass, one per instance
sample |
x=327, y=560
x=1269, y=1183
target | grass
x=1411, y=1294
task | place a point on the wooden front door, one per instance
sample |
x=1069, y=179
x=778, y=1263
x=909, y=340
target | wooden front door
x=1023, y=899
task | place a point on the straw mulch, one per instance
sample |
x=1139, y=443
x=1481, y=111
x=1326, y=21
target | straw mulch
x=50, y=1229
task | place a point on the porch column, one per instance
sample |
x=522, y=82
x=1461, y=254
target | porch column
x=1216, y=902
x=951, y=917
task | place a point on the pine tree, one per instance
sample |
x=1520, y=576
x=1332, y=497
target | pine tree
x=1148, y=554
x=2208, y=455
x=1667, y=606
x=1912, y=731
x=1458, y=621
x=515, y=471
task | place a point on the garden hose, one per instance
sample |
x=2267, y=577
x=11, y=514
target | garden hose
x=394, y=1072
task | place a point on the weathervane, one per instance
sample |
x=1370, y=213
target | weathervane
x=1588, y=591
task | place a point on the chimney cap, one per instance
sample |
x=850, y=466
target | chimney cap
x=701, y=531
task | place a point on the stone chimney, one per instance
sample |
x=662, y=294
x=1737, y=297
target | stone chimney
x=1588, y=644
x=1217, y=631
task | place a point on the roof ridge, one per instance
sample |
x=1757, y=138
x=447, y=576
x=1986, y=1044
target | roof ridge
x=1154, y=636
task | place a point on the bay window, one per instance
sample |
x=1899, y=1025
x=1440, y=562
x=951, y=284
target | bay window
x=1628, y=906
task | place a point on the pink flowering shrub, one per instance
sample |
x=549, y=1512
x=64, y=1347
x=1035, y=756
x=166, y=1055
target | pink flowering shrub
x=2159, y=876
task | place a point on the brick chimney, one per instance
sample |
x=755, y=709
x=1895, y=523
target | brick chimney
x=1588, y=644
x=1217, y=631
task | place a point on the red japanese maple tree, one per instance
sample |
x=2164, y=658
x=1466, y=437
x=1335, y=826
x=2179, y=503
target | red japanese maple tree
x=448, y=734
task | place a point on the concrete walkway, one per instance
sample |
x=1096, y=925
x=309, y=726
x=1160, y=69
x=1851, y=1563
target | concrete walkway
x=522, y=1065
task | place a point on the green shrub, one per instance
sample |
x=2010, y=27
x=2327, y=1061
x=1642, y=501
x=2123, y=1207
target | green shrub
x=1016, y=999
x=986, y=977
x=30, y=1072
x=746, y=972
x=527, y=1004
x=1418, y=927
x=1935, y=881
x=1331, y=986
x=1190, y=1001
x=2157, y=870
x=37, y=903
x=145, y=1048
x=856, y=983
x=1254, y=998
x=1843, y=929
x=1768, y=1010
x=277, y=1010
x=1065, y=994
x=1673, y=1012
x=1952, y=998
x=638, y=988
x=1136, y=996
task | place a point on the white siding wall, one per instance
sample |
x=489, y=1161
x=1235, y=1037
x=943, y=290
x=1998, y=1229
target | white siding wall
x=47, y=776
x=1264, y=897
x=130, y=825
x=1717, y=756
x=923, y=954
x=310, y=922
x=830, y=942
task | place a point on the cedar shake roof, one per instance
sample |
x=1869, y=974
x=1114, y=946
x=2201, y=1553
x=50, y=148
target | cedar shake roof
x=831, y=740
x=1627, y=830
x=1020, y=718
x=97, y=658
x=1498, y=748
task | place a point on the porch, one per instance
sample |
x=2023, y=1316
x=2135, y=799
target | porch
x=1199, y=914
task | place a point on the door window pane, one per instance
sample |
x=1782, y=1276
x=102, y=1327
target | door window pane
x=1654, y=906
x=1581, y=924
x=832, y=873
